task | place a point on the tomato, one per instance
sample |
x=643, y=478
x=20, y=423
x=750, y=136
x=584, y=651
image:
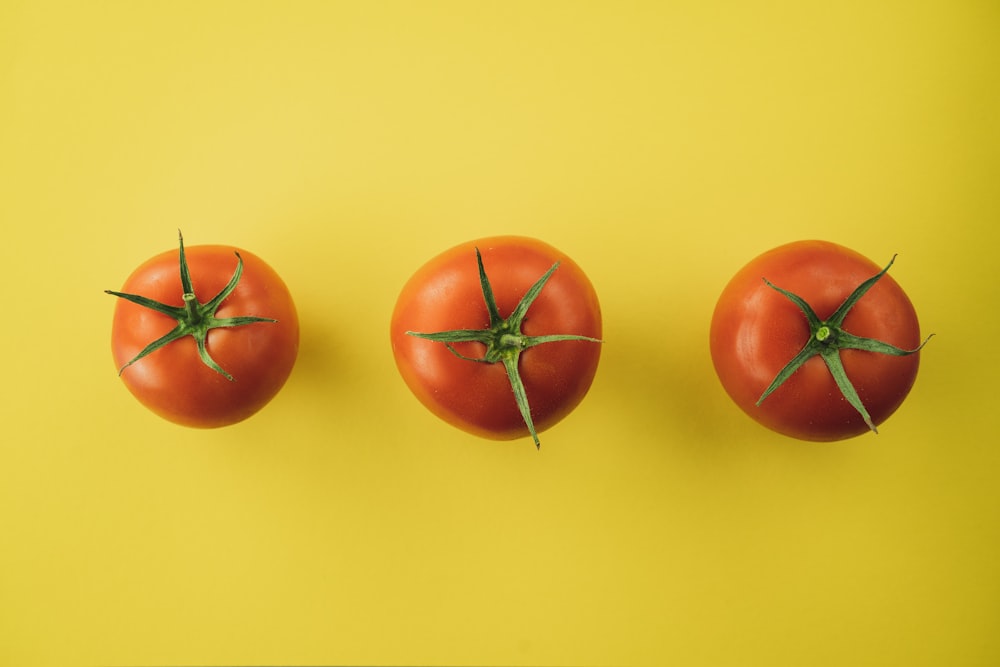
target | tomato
x=815, y=341
x=204, y=363
x=501, y=346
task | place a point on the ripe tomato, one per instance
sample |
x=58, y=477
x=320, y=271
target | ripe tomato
x=834, y=374
x=501, y=356
x=204, y=363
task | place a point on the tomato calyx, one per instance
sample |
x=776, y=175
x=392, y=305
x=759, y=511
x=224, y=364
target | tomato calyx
x=194, y=318
x=827, y=338
x=503, y=338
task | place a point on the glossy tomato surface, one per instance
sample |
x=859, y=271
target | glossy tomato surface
x=445, y=294
x=756, y=330
x=173, y=381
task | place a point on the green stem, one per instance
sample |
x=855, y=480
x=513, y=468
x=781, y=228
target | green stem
x=512, y=341
x=191, y=310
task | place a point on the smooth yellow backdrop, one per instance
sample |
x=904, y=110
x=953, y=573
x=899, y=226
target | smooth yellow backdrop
x=661, y=145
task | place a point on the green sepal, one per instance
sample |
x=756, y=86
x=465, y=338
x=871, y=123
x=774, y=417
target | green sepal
x=510, y=362
x=833, y=362
x=848, y=341
x=837, y=319
x=811, y=317
x=484, y=284
x=173, y=311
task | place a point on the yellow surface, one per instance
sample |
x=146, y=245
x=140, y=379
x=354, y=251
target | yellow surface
x=661, y=145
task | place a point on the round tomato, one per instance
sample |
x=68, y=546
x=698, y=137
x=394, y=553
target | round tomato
x=499, y=337
x=204, y=363
x=815, y=341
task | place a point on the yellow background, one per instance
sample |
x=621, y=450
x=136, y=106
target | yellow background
x=661, y=145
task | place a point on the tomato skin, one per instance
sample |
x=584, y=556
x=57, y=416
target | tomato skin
x=756, y=330
x=173, y=382
x=446, y=294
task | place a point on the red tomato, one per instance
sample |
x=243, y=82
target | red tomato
x=447, y=295
x=757, y=330
x=250, y=338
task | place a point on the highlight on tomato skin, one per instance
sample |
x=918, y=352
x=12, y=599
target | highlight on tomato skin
x=204, y=336
x=506, y=371
x=815, y=341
